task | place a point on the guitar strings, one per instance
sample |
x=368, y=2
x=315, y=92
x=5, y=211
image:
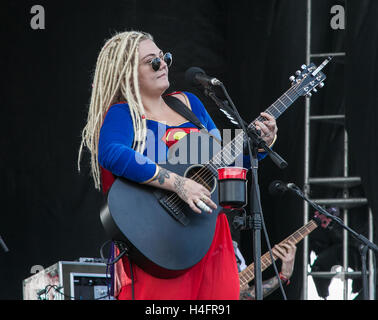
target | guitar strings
x=174, y=199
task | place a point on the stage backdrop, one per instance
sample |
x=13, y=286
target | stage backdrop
x=50, y=211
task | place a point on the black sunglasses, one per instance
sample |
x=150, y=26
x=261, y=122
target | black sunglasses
x=155, y=62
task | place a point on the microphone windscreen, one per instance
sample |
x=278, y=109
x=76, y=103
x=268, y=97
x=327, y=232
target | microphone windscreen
x=190, y=75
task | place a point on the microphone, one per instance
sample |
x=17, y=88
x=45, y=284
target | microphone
x=195, y=76
x=278, y=187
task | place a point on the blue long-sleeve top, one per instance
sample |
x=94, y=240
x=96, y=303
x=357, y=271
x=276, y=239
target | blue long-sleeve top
x=115, y=152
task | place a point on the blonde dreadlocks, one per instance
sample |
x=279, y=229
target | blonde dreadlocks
x=115, y=80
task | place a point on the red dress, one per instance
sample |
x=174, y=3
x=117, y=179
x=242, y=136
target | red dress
x=215, y=277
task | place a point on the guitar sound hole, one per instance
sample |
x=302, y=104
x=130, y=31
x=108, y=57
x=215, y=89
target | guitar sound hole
x=203, y=176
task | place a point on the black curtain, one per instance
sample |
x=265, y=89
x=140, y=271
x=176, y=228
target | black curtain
x=51, y=212
x=362, y=95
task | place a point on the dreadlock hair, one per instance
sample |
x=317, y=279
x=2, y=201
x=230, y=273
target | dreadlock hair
x=115, y=80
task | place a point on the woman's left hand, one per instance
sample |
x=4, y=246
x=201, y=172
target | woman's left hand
x=268, y=128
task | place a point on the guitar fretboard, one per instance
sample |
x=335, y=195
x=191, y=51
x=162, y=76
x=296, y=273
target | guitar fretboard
x=248, y=274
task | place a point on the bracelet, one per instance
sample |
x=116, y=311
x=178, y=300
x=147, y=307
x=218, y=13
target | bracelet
x=284, y=279
x=271, y=145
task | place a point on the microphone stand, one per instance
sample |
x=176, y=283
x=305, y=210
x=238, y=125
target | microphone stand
x=254, y=221
x=366, y=243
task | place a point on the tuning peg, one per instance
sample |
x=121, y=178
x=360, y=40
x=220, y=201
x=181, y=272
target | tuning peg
x=315, y=90
x=321, y=85
x=298, y=72
x=303, y=66
x=292, y=78
x=308, y=95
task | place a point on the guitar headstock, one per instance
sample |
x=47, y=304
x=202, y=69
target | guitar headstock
x=308, y=79
x=322, y=220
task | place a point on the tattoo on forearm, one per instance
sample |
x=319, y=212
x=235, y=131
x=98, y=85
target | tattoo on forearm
x=162, y=175
x=268, y=287
x=179, y=185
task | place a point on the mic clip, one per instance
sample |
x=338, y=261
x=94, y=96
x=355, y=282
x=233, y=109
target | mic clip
x=242, y=221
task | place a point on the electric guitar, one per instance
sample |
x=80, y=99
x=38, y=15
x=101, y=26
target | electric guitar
x=248, y=274
x=163, y=236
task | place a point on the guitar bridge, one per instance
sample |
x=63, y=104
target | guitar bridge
x=172, y=206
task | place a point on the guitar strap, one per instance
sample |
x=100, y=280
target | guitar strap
x=183, y=110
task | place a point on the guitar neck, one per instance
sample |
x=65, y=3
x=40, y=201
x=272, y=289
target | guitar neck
x=248, y=274
x=234, y=149
x=280, y=105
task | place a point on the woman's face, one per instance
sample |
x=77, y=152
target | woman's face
x=151, y=82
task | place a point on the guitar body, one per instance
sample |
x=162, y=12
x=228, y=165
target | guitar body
x=144, y=218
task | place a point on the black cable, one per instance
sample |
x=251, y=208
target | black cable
x=46, y=290
x=273, y=261
x=102, y=248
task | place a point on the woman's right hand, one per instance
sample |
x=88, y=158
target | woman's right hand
x=193, y=194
